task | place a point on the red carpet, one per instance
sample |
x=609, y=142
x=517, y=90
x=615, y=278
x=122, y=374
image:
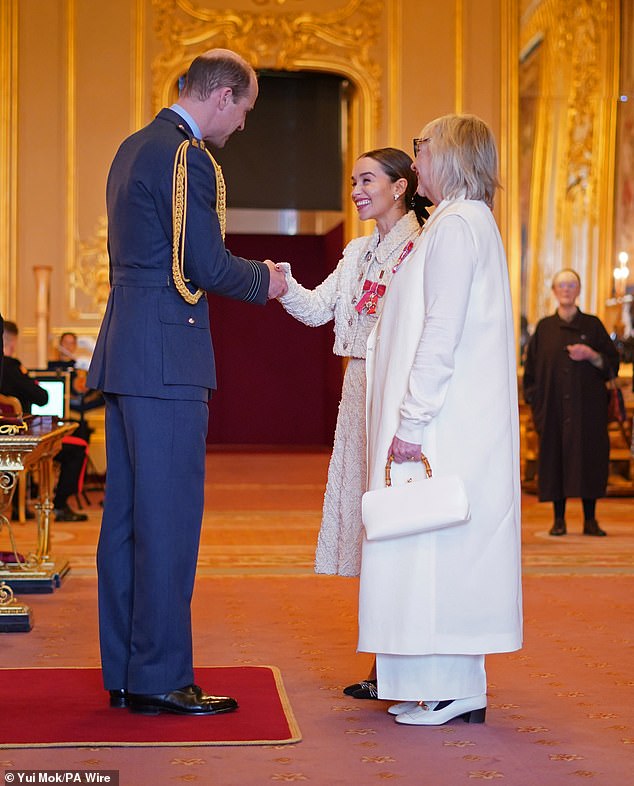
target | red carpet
x=68, y=707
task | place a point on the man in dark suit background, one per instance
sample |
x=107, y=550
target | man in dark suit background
x=154, y=362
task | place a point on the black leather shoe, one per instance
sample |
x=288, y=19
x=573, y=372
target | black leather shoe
x=68, y=514
x=591, y=527
x=190, y=700
x=119, y=698
x=366, y=689
x=558, y=528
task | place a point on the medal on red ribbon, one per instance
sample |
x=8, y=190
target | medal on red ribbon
x=373, y=290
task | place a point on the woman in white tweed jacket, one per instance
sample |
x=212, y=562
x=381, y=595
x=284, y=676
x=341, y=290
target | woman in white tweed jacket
x=383, y=189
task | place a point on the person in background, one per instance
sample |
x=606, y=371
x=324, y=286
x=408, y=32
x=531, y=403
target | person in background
x=383, y=190
x=154, y=362
x=442, y=382
x=569, y=359
x=72, y=456
x=82, y=399
x=67, y=348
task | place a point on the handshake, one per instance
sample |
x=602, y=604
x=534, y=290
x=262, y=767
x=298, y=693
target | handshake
x=277, y=281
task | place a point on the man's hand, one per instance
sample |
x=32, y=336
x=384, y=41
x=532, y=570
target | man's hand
x=404, y=451
x=277, y=282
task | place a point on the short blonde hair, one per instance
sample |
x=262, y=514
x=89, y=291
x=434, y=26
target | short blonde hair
x=464, y=159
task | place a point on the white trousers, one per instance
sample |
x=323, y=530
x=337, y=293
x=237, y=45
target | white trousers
x=430, y=677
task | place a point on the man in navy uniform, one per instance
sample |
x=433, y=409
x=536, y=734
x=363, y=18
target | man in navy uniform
x=154, y=362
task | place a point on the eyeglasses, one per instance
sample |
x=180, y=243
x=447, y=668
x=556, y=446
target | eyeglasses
x=418, y=143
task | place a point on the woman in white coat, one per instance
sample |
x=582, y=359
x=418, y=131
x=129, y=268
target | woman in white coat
x=442, y=380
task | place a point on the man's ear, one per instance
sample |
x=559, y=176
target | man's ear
x=225, y=98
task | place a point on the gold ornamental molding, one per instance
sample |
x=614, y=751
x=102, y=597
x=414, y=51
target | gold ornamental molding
x=279, y=36
x=8, y=156
x=570, y=223
x=91, y=271
x=394, y=68
x=72, y=232
x=507, y=198
x=338, y=41
x=459, y=57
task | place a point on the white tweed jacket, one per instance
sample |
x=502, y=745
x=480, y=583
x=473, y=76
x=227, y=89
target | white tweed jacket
x=336, y=296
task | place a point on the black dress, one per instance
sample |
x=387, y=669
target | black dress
x=569, y=400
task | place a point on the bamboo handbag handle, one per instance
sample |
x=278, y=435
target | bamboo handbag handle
x=388, y=468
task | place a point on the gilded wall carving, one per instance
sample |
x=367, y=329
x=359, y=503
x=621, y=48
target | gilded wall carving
x=8, y=155
x=91, y=272
x=275, y=2
x=624, y=191
x=568, y=73
x=340, y=40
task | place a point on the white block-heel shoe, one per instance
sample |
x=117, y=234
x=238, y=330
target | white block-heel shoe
x=435, y=713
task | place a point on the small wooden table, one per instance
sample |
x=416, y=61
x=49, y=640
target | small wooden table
x=37, y=572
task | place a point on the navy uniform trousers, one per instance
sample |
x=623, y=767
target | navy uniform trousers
x=152, y=518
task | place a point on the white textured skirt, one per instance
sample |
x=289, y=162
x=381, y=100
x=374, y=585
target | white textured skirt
x=340, y=536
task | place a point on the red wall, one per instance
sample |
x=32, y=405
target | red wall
x=278, y=381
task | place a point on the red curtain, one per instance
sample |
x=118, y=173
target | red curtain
x=278, y=381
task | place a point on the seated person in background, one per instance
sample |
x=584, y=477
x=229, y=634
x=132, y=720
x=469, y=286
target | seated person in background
x=17, y=382
x=70, y=356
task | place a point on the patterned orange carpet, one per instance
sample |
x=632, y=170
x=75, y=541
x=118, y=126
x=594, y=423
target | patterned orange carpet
x=559, y=709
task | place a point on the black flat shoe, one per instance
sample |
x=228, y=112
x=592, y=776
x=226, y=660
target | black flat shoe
x=558, y=528
x=366, y=689
x=190, y=700
x=68, y=514
x=119, y=698
x=591, y=527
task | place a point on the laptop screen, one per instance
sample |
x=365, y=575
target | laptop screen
x=56, y=385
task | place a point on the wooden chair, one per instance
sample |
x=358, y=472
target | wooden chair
x=10, y=405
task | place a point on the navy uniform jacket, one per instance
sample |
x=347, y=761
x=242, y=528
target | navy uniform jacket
x=152, y=342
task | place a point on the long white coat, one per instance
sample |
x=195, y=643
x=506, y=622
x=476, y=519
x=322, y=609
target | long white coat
x=441, y=372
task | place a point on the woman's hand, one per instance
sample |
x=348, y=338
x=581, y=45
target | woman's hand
x=584, y=352
x=404, y=451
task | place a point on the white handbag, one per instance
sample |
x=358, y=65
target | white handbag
x=415, y=506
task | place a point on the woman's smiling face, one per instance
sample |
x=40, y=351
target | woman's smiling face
x=372, y=189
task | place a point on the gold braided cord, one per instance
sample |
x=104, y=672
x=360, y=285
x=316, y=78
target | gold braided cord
x=179, y=220
x=221, y=194
x=179, y=216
